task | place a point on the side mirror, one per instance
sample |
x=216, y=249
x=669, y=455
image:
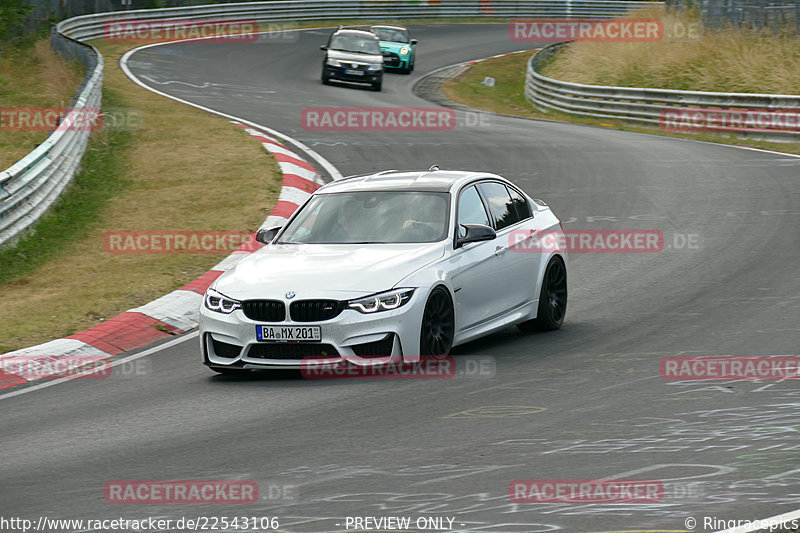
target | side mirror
x=474, y=233
x=323, y=47
x=413, y=41
x=266, y=235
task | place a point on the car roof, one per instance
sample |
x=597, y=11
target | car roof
x=389, y=27
x=357, y=32
x=428, y=181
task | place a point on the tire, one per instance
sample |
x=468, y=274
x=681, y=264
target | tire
x=377, y=85
x=438, y=324
x=325, y=79
x=552, y=299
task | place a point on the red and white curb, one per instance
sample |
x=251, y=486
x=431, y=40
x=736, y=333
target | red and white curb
x=173, y=313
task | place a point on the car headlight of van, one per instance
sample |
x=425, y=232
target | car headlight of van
x=220, y=303
x=375, y=66
x=404, y=51
x=383, y=301
x=333, y=62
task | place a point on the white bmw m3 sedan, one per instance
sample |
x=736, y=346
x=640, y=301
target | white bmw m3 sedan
x=385, y=268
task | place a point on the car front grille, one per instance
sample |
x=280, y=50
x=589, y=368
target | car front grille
x=391, y=59
x=278, y=350
x=264, y=310
x=315, y=310
x=381, y=348
x=223, y=349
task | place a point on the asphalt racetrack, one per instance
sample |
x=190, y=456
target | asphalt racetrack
x=585, y=402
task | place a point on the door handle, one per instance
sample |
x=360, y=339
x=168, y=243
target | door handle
x=500, y=250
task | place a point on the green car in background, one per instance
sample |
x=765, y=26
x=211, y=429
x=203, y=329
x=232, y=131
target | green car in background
x=398, y=49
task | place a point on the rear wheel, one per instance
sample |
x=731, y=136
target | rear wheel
x=438, y=324
x=552, y=299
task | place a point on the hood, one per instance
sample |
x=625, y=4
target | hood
x=391, y=46
x=338, y=271
x=349, y=57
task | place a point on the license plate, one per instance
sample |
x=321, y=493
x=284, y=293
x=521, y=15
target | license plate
x=288, y=333
x=354, y=72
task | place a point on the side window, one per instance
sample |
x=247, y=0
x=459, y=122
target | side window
x=520, y=203
x=500, y=204
x=470, y=209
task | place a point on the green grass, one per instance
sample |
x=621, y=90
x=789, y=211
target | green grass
x=743, y=61
x=76, y=212
x=508, y=97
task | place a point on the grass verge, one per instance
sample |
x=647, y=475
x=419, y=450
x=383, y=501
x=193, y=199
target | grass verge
x=163, y=166
x=32, y=75
x=718, y=61
x=508, y=97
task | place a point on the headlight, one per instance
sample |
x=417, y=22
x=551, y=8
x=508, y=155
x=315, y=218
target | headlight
x=384, y=301
x=375, y=67
x=404, y=51
x=333, y=62
x=220, y=303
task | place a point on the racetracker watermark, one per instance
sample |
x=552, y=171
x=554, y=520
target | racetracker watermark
x=142, y=31
x=585, y=491
x=378, y=119
x=36, y=367
x=428, y=367
x=731, y=368
x=50, y=119
x=556, y=30
x=279, y=32
x=712, y=523
x=586, y=241
x=690, y=120
x=180, y=492
x=179, y=242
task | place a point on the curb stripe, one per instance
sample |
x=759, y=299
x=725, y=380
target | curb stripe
x=177, y=311
x=284, y=209
x=124, y=332
x=299, y=182
x=294, y=160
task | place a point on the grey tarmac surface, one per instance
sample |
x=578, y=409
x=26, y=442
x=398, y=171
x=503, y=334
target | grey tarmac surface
x=585, y=402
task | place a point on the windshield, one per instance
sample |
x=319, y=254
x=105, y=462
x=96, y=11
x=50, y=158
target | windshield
x=389, y=34
x=355, y=44
x=370, y=217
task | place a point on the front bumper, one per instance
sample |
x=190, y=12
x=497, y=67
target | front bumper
x=229, y=341
x=396, y=61
x=342, y=74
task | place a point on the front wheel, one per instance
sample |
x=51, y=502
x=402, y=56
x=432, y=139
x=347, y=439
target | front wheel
x=377, y=85
x=552, y=299
x=438, y=324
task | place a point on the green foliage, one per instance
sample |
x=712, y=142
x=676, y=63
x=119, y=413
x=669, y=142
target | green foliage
x=12, y=19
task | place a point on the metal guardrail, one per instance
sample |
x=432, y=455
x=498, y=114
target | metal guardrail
x=29, y=188
x=92, y=26
x=776, y=15
x=754, y=115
